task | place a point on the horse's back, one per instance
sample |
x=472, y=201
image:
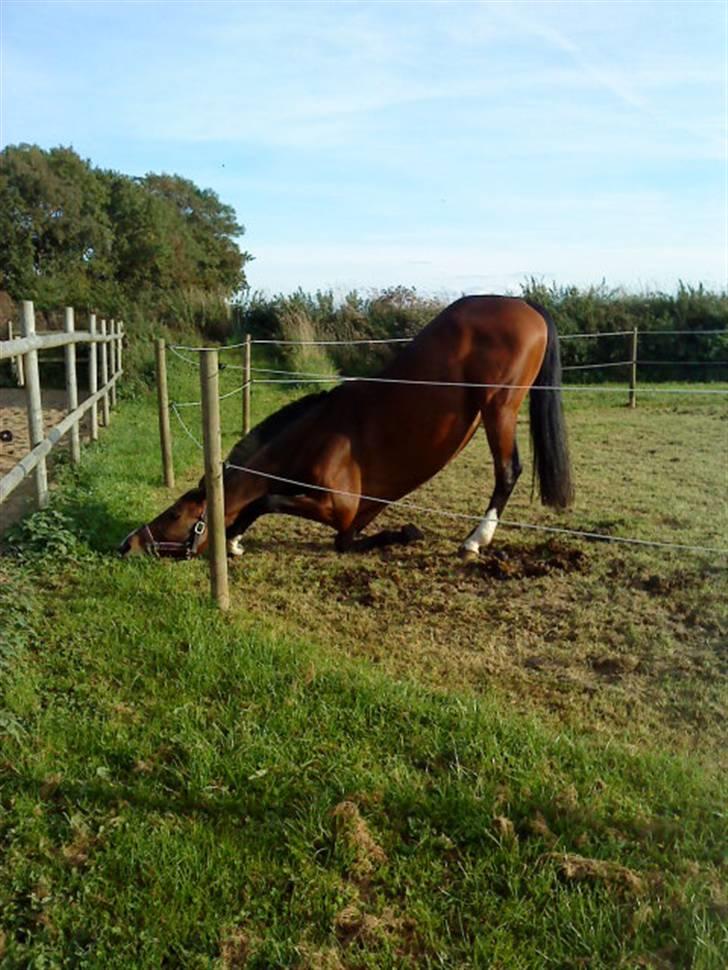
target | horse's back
x=502, y=318
x=477, y=339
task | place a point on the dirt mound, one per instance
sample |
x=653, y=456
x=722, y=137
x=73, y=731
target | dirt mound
x=354, y=833
x=576, y=868
x=513, y=562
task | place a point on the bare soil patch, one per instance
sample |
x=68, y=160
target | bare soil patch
x=14, y=422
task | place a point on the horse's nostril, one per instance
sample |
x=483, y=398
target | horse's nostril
x=125, y=548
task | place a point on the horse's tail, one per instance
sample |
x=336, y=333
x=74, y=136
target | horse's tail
x=548, y=429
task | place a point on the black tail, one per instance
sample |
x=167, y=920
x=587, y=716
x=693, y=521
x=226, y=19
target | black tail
x=548, y=430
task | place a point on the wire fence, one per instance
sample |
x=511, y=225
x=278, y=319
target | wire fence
x=579, y=534
x=357, y=341
x=262, y=375
x=269, y=375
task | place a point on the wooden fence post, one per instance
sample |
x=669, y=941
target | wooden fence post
x=16, y=363
x=246, y=385
x=120, y=347
x=633, y=372
x=72, y=387
x=113, y=364
x=35, y=407
x=214, y=477
x=165, y=435
x=104, y=376
x=93, y=378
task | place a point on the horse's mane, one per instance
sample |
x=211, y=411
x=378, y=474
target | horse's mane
x=262, y=433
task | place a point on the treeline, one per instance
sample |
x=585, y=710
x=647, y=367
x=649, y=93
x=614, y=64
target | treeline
x=402, y=312
x=153, y=247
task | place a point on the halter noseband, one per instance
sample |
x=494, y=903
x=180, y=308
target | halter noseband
x=177, y=550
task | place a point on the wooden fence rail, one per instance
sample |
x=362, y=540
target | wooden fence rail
x=23, y=353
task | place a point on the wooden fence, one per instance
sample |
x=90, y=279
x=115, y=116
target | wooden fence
x=105, y=356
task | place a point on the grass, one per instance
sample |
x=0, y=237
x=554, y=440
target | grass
x=376, y=761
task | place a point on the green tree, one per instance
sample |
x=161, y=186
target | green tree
x=54, y=228
x=71, y=233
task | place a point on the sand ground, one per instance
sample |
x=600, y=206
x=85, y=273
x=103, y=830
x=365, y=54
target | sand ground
x=14, y=418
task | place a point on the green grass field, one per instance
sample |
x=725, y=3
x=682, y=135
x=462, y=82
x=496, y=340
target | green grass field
x=373, y=761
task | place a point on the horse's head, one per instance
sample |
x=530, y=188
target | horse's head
x=180, y=532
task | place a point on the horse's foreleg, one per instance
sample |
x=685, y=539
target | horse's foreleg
x=351, y=541
x=319, y=508
x=243, y=522
x=500, y=427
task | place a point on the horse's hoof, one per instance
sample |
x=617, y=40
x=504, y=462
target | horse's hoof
x=410, y=533
x=467, y=555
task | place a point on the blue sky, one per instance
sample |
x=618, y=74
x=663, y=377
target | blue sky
x=456, y=147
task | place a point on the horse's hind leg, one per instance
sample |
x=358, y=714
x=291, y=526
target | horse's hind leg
x=500, y=427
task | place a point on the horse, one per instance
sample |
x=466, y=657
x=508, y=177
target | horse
x=339, y=457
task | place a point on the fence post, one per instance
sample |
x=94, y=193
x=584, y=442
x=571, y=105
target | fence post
x=93, y=377
x=113, y=362
x=633, y=372
x=214, y=477
x=35, y=407
x=119, y=347
x=246, y=385
x=104, y=377
x=72, y=387
x=165, y=435
x=16, y=363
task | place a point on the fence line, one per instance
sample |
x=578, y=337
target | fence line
x=24, y=351
x=616, y=363
x=464, y=516
x=299, y=377
x=682, y=363
x=403, y=340
x=477, y=518
x=306, y=377
x=591, y=388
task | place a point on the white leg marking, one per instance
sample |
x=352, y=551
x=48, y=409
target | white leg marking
x=482, y=534
x=235, y=546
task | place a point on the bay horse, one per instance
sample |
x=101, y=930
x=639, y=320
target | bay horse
x=338, y=457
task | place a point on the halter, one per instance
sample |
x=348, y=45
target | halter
x=177, y=550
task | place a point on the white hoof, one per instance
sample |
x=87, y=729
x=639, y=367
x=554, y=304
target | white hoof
x=235, y=547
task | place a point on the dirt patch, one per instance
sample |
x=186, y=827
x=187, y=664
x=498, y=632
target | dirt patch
x=518, y=562
x=353, y=924
x=352, y=830
x=576, y=868
x=14, y=426
x=235, y=948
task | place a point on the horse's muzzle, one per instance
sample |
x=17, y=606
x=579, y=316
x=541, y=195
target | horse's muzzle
x=131, y=546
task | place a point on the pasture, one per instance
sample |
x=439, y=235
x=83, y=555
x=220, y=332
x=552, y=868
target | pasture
x=386, y=760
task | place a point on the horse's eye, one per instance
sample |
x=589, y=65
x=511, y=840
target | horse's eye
x=176, y=514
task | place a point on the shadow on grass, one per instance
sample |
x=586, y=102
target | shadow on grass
x=254, y=806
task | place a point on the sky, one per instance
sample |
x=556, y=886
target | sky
x=458, y=147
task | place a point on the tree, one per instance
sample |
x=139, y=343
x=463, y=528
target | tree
x=54, y=227
x=70, y=233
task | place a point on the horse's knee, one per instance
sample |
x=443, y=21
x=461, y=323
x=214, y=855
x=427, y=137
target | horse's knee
x=344, y=541
x=410, y=533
